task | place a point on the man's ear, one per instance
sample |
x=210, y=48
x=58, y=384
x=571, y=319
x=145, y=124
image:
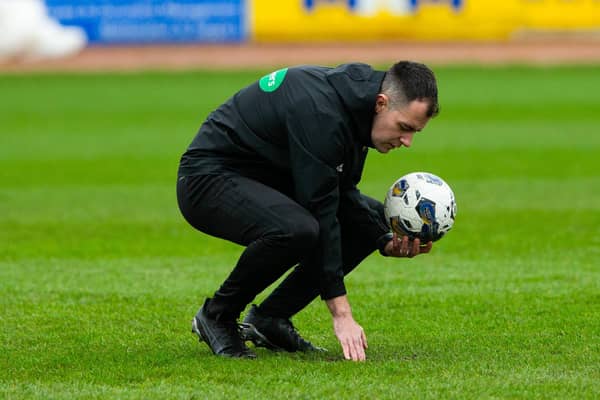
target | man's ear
x=381, y=102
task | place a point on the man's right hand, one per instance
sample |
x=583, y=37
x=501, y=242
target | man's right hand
x=350, y=334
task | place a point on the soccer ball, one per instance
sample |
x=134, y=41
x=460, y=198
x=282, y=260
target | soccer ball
x=420, y=205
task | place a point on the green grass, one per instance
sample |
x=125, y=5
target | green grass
x=100, y=275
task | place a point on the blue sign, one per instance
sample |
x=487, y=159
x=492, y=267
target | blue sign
x=154, y=21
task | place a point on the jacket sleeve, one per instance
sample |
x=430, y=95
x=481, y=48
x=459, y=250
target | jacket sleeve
x=316, y=147
x=364, y=214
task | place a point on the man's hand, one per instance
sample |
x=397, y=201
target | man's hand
x=352, y=338
x=406, y=247
x=349, y=333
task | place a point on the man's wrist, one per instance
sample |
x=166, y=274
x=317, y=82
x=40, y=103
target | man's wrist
x=339, y=307
x=383, y=241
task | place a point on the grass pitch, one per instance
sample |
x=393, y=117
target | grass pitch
x=100, y=275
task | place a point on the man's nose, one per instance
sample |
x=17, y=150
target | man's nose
x=406, y=140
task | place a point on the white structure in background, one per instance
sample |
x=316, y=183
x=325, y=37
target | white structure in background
x=26, y=31
x=394, y=7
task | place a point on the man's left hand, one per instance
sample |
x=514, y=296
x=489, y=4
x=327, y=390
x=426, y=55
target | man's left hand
x=406, y=247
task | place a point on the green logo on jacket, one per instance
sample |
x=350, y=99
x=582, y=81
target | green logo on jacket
x=270, y=83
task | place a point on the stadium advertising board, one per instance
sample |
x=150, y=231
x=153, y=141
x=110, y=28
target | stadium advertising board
x=218, y=21
x=145, y=21
x=367, y=20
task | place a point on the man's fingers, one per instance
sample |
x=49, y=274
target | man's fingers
x=404, y=246
x=427, y=248
x=415, y=247
x=346, y=350
x=395, y=243
x=353, y=350
x=364, y=340
x=357, y=351
x=416, y=243
x=360, y=349
x=407, y=247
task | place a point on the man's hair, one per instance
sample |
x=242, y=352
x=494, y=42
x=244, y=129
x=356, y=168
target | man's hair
x=406, y=81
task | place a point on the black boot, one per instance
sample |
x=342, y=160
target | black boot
x=273, y=333
x=223, y=337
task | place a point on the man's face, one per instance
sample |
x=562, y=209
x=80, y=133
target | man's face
x=393, y=128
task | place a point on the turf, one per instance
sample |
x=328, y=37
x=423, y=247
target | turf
x=100, y=275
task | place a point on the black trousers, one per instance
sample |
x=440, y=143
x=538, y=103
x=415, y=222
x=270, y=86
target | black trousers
x=277, y=233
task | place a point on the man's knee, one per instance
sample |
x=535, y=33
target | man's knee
x=305, y=233
x=299, y=230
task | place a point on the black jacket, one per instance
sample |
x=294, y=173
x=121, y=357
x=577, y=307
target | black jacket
x=314, y=129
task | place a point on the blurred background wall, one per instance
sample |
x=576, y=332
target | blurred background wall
x=260, y=21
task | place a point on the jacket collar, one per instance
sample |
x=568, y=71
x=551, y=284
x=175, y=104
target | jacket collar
x=358, y=86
